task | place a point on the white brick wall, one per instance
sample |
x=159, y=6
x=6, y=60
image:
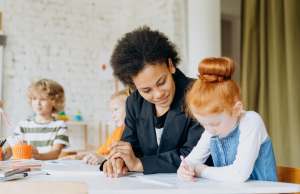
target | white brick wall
x=68, y=40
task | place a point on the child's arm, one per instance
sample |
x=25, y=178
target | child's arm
x=186, y=171
x=51, y=155
x=201, y=151
x=188, y=167
x=252, y=135
x=93, y=159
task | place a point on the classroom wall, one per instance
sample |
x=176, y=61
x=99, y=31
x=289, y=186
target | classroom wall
x=68, y=41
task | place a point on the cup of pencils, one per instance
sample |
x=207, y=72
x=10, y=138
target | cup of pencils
x=22, y=151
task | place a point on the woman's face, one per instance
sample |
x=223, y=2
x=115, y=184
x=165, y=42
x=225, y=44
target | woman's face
x=156, y=85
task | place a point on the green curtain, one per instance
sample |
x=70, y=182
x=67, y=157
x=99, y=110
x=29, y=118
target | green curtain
x=270, y=71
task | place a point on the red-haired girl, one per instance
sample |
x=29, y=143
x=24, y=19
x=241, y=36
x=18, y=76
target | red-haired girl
x=236, y=139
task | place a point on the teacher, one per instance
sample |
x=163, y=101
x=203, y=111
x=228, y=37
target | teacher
x=157, y=130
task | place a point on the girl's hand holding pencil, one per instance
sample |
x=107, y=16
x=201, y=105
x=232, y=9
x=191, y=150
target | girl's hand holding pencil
x=186, y=171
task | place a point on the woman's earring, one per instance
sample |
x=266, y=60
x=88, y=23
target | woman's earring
x=171, y=66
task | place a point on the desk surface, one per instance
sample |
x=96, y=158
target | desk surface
x=77, y=171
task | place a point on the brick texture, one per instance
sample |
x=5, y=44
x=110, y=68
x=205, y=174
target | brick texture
x=68, y=41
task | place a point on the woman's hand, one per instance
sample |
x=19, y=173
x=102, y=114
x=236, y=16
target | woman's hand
x=186, y=171
x=124, y=150
x=115, y=168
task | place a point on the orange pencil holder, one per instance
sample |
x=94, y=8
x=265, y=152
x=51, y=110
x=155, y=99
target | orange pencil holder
x=22, y=151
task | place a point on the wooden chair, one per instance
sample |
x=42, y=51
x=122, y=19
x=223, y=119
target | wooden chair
x=288, y=174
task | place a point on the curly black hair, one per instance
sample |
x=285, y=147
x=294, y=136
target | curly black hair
x=138, y=48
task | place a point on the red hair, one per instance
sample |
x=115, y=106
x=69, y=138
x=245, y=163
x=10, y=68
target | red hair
x=214, y=91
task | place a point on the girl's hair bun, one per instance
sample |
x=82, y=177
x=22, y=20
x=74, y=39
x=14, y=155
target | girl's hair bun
x=215, y=69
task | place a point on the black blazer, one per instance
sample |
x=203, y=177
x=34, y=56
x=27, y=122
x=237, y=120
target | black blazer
x=179, y=136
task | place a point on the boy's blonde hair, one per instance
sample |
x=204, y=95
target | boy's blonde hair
x=52, y=89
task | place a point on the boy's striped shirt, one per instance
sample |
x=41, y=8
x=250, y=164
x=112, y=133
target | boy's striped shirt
x=43, y=136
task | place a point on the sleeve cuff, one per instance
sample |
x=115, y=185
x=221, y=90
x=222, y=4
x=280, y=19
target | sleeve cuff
x=101, y=165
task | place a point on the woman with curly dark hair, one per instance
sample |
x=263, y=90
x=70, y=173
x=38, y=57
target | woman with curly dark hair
x=157, y=130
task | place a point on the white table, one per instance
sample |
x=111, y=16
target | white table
x=77, y=171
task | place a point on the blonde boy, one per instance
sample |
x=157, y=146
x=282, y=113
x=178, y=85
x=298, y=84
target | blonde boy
x=47, y=135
